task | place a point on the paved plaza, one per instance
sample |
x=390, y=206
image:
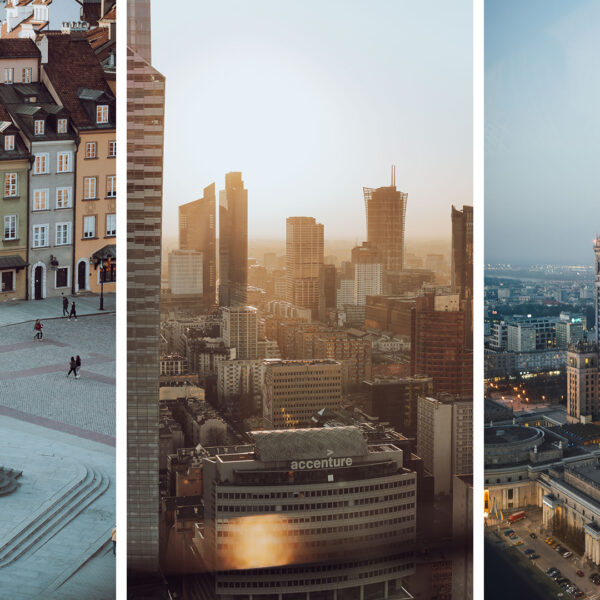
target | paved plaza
x=57, y=436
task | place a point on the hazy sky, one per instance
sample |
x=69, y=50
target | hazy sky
x=312, y=101
x=542, y=161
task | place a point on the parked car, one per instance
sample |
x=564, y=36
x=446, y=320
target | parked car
x=549, y=541
x=529, y=551
x=551, y=570
x=533, y=556
x=567, y=554
x=579, y=573
x=533, y=536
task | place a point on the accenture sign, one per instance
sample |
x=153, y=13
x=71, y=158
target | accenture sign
x=320, y=463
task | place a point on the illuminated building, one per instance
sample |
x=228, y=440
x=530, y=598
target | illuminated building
x=317, y=513
x=597, y=286
x=385, y=212
x=233, y=242
x=145, y=130
x=197, y=231
x=304, y=261
x=583, y=382
x=294, y=390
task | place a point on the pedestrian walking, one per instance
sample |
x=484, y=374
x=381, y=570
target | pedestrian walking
x=77, y=366
x=72, y=367
x=73, y=313
x=38, y=330
x=65, y=302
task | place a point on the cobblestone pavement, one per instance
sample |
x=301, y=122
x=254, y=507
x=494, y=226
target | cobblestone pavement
x=20, y=311
x=33, y=382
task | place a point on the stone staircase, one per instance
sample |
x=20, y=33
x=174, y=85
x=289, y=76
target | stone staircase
x=8, y=481
x=56, y=512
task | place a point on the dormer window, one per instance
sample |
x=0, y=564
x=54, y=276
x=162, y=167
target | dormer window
x=27, y=75
x=9, y=75
x=39, y=126
x=29, y=99
x=102, y=113
x=61, y=126
x=9, y=142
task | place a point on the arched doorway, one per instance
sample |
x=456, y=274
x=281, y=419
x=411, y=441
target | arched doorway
x=38, y=282
x=82, y=275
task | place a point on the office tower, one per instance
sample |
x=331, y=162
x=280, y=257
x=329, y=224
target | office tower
x=186, y=272
x=386, y=210
x=438, y=344
x=583, y=382
x=520, y=337
x=394, y=400
x=445, y=437
x=304, y=244
x=462, y=537
x=597, y=285
x=328, y=289
x=294, y=390
x=145, y=123
x=233, y=242
x=307, y=513
x=462, y=251
x=240, y=330
x=198, y=231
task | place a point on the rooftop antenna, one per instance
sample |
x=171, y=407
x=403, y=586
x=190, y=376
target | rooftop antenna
x=393, y=176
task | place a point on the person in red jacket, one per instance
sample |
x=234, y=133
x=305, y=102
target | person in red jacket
x=38, y=330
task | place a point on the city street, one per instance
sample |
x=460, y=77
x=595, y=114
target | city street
x=548, y=557
x=58, y=434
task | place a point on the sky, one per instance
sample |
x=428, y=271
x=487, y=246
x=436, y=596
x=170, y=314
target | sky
x=313, y=100
x=542, y=131
x=60, y=10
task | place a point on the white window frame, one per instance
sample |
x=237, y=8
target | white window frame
x=62, y=126
x=87, y=189
x=88, y=219
x=15, y=220
x=111, y=186
x=69, y=195
x=27, y=74
x=14, y=281
x=68, y=158
x=9, y=142
x=112, y=149
x=94, y=147
x=101, y=113
x=11, y=181
x=43, y=157
x=62, y=240
x=112, y=231
x=9, y=75
x=36, y=195
x=42, y=230
x=68, y=284
x=39, y=127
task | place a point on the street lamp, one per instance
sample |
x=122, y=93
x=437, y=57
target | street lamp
x=99, y=261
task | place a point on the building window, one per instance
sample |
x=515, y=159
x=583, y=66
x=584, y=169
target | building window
x=111, y=186
x=9, y=142
x=27, y=75
x=9, y=75
x=8, y=281
x=10, y=185
x=89, y=227
x=63, y=162
x=102, y=113
x=63, y=234
x=108, y=273
x=111, y=225
x=62, y=277
x=10, y=227
x=61, y=126
x=63, y=197
x=90, y=149
x=39, y=125
x=89, y=188
x=112, y=149
x=40, y=236
x=40, y=200
x=40, y=166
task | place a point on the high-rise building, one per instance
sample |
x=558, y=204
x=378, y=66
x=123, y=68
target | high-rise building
x=386, y=212
x=462, y=251
x=233, y=242
x=294, y=390
x=197, y=231
x=597, y=286
x=240, y=330
x=438, y=344
x=185, y=272
x=445, y=437
x=583, y=382
x=303, y=261
x=328, y=289
x=145, y=131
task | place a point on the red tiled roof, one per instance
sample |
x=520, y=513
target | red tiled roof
x=72, y=64
x=18, y=48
